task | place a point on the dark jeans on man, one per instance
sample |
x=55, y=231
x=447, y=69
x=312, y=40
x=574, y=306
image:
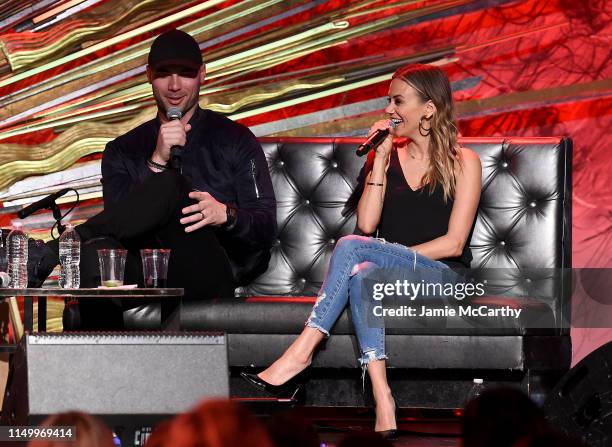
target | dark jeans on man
x=149, y=218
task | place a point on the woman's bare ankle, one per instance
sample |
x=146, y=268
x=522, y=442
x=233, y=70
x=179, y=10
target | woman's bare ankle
x=299, y=360
x=384, y=394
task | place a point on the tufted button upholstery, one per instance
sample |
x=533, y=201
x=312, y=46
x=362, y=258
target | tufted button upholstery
x=522, y=222
x=524, y=204
x=312, y=182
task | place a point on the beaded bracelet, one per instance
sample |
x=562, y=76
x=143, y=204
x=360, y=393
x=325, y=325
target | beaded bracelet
x=374, y=184
x=152, y=164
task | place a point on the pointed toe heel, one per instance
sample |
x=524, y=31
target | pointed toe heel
x=287, y=390
x=389, y=435
x=393, y=434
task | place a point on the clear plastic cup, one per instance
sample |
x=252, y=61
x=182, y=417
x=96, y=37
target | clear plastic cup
x=112, y=266
x=155, y=266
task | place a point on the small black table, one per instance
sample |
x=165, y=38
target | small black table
x=41, y=294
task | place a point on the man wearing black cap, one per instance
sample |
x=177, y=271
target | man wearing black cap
x=217, y=215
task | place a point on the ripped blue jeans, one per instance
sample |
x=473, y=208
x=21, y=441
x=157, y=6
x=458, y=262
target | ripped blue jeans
x=353, y=259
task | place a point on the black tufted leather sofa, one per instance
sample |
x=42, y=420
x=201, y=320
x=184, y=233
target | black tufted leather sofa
x=523, y=223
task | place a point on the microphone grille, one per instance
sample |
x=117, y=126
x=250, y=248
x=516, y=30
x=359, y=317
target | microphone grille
x=174, y=113
x=392, y=124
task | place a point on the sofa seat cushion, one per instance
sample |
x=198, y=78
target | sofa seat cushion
x=287, y=315
x=455, y=352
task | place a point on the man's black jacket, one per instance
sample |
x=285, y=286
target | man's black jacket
x=220, y=157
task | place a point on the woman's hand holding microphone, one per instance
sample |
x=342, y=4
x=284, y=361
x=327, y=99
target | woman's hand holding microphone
x=384, y=149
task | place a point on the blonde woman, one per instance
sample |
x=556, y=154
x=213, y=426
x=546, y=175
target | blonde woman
x=420, y=198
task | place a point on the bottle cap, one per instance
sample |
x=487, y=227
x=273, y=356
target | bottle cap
x=477, y=380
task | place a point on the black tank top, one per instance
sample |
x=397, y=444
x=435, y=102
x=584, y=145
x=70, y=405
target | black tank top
x=413, y=217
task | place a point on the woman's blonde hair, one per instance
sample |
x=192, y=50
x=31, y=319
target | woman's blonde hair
x=432, y=84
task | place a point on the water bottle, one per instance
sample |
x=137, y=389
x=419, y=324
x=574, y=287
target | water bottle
x=70, y=257
x=17, y=243
x=477, y=389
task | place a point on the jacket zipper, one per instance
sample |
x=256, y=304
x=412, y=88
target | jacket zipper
x=253, y=174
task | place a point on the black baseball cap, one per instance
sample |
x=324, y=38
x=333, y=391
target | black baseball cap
x=175, y=47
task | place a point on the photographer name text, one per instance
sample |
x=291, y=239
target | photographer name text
x=461, y=311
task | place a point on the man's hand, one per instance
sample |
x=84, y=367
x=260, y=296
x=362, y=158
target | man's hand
x=206, y=212
x=172, y=133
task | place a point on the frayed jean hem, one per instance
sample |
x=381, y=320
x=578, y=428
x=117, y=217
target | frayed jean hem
x=371, y=356
x=316, y=326
x=365, y=360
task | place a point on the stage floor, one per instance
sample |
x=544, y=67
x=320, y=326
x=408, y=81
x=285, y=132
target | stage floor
x=405, y=440
x=418, y=427
x=414, y=433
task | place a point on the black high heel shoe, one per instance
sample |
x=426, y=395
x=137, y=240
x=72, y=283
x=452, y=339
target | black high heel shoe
x=393, y=434
x=389, y=435
x=287, y=390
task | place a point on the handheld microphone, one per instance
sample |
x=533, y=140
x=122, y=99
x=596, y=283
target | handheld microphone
x=43, y=203
x=375, y=139
x=174, y=113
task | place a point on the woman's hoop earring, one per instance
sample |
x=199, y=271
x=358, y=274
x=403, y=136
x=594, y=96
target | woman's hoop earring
x=422, y=130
